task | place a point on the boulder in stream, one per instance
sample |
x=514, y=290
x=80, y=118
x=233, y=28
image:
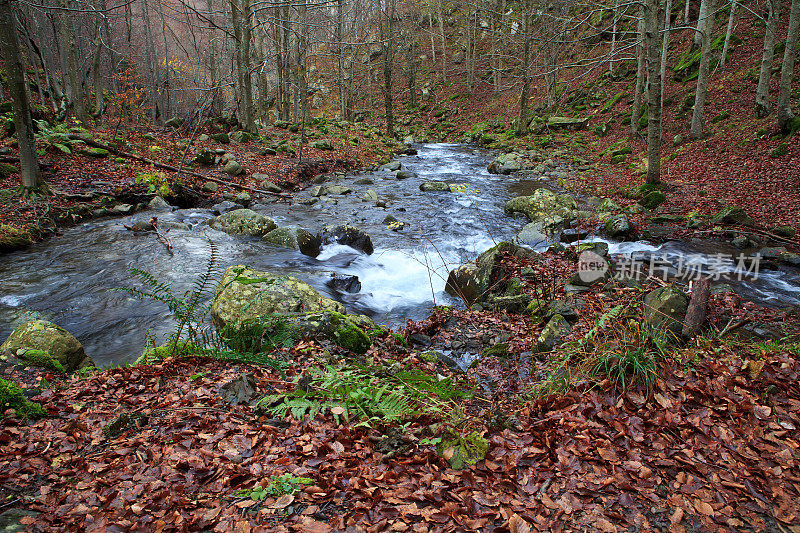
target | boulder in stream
x=434, y=186
x=294, y=238
x=42, y=343
x=347, y=235
x=243, y=222
x=244, y=293
x=543, y=203
x=618, y=227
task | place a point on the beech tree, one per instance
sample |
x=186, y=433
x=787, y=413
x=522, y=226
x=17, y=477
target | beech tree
x=787, y=67
x=762, y=93
x=702, y=75
x=30, y=174
x=653, y=46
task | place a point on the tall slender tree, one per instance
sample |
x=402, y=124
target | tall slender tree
x=765, y=74
x=702, y=76
x=787, y=68
x=30, y=174
x=653, y=46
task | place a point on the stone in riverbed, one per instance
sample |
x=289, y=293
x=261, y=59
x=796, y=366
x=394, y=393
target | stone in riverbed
x=392, y=166
x=243, y=222
x=233, y=168
x=294, y=238
x=347, y=235
x=543, y=203
x=434, y=186
x=343, y=283
x=618, y=227
x=244, y=293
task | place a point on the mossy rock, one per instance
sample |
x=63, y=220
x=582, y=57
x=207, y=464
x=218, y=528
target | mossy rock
x=244, y=293
x=652, y=199
x=12, y=238
x=243, y=222
x=323, y=144
x=7, y=169
x=779, y=151
x=296, y=239
x=98, y=153
x=732, y=215
x=40, y=359
x=497, y=350
x=617, y=159
x=463, y=451
x=41, y=335
x=221, y=138
x=725, y=115
x=12, y=397
x=156, y=354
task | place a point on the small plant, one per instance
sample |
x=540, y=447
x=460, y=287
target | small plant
x=631, y=366
x=156, y=182
x=280, y=485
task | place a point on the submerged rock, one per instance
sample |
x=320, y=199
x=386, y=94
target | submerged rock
x=434, y=186
x=40, y=343
x=342, y=283
x=243, y=222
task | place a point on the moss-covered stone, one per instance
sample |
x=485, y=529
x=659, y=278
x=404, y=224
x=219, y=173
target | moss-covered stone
x=221, y=138
x=7, y=169
x=732, y=215
x=652, y=199
x=780, y=151
x=12, y=397
x=244, y=293
x=99, y=153
x=243, y=222
x=463, y=451
x=296, y=239
x=47, y=337
x=12, y=238
x=41, y=359
x=541, y=204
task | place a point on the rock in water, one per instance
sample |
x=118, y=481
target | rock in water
x=347, y=235
x=342, y=283
x=434, y=186
x=243, y=222
x=244, y=293
x=34, y=340
x=294, y=238
x=543, y=204
x=618, y=227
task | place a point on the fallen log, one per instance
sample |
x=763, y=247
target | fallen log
x=696, y=313
x=164, y=166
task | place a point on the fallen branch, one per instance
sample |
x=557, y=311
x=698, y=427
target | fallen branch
x=164, y=166
x=152, y=225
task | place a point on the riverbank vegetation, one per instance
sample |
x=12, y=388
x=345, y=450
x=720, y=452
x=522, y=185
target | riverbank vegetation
x=547, y=401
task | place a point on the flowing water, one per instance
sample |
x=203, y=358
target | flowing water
x=66, y=278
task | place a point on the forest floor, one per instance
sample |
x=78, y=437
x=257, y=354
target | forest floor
x=712, y=445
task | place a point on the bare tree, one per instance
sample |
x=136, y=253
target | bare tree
x=75, y=83
x=728, y=33
x=30, y=174
x=640, y=73
x=762, y=93
x=653, y=45
x=702, y=76
x=787, y=69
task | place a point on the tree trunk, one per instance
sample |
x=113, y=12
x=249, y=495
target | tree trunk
x=653, y=44
x=762, y=93
x=640, y=75
x=613, y=39
x=302, y=50
x=522, y=119
x=30, y=174
x=240, y=18
x=702, y=76
x=153, y=70
x=98, y=89
x=787, y=69
x=411, y=66
x=686, y=13
x=702, y=20
x=340, y=59
x=212, y=61
x=696, y=313
x=68, y=41
x=665, y=47
x=387, y=40
x=441, y=35
x=728, y=33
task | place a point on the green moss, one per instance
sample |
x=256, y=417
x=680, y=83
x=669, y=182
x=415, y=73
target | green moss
x=157, y=354
x=498, y=350
x=42, y=359
x=612, y=102
x=12, y=238
x=12, y=397
x=463, y=451
x=780, y=151
x=722, y=116
x=7, y=169
x=347, y=335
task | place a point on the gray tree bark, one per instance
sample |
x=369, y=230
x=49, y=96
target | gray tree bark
x=30, y=174
x=762, y=93
x=728, y=33
x=522, y=119
x=702, y=19
x=653, y=45
x=702, y=76
x=640, y=74
x=787, y=69
x=68, y=41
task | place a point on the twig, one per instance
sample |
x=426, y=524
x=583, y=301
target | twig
x=730, y=327
x=161, y=235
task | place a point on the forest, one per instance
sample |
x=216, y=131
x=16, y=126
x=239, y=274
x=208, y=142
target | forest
x=399, y=265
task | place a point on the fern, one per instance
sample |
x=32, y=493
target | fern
x=365, y=394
